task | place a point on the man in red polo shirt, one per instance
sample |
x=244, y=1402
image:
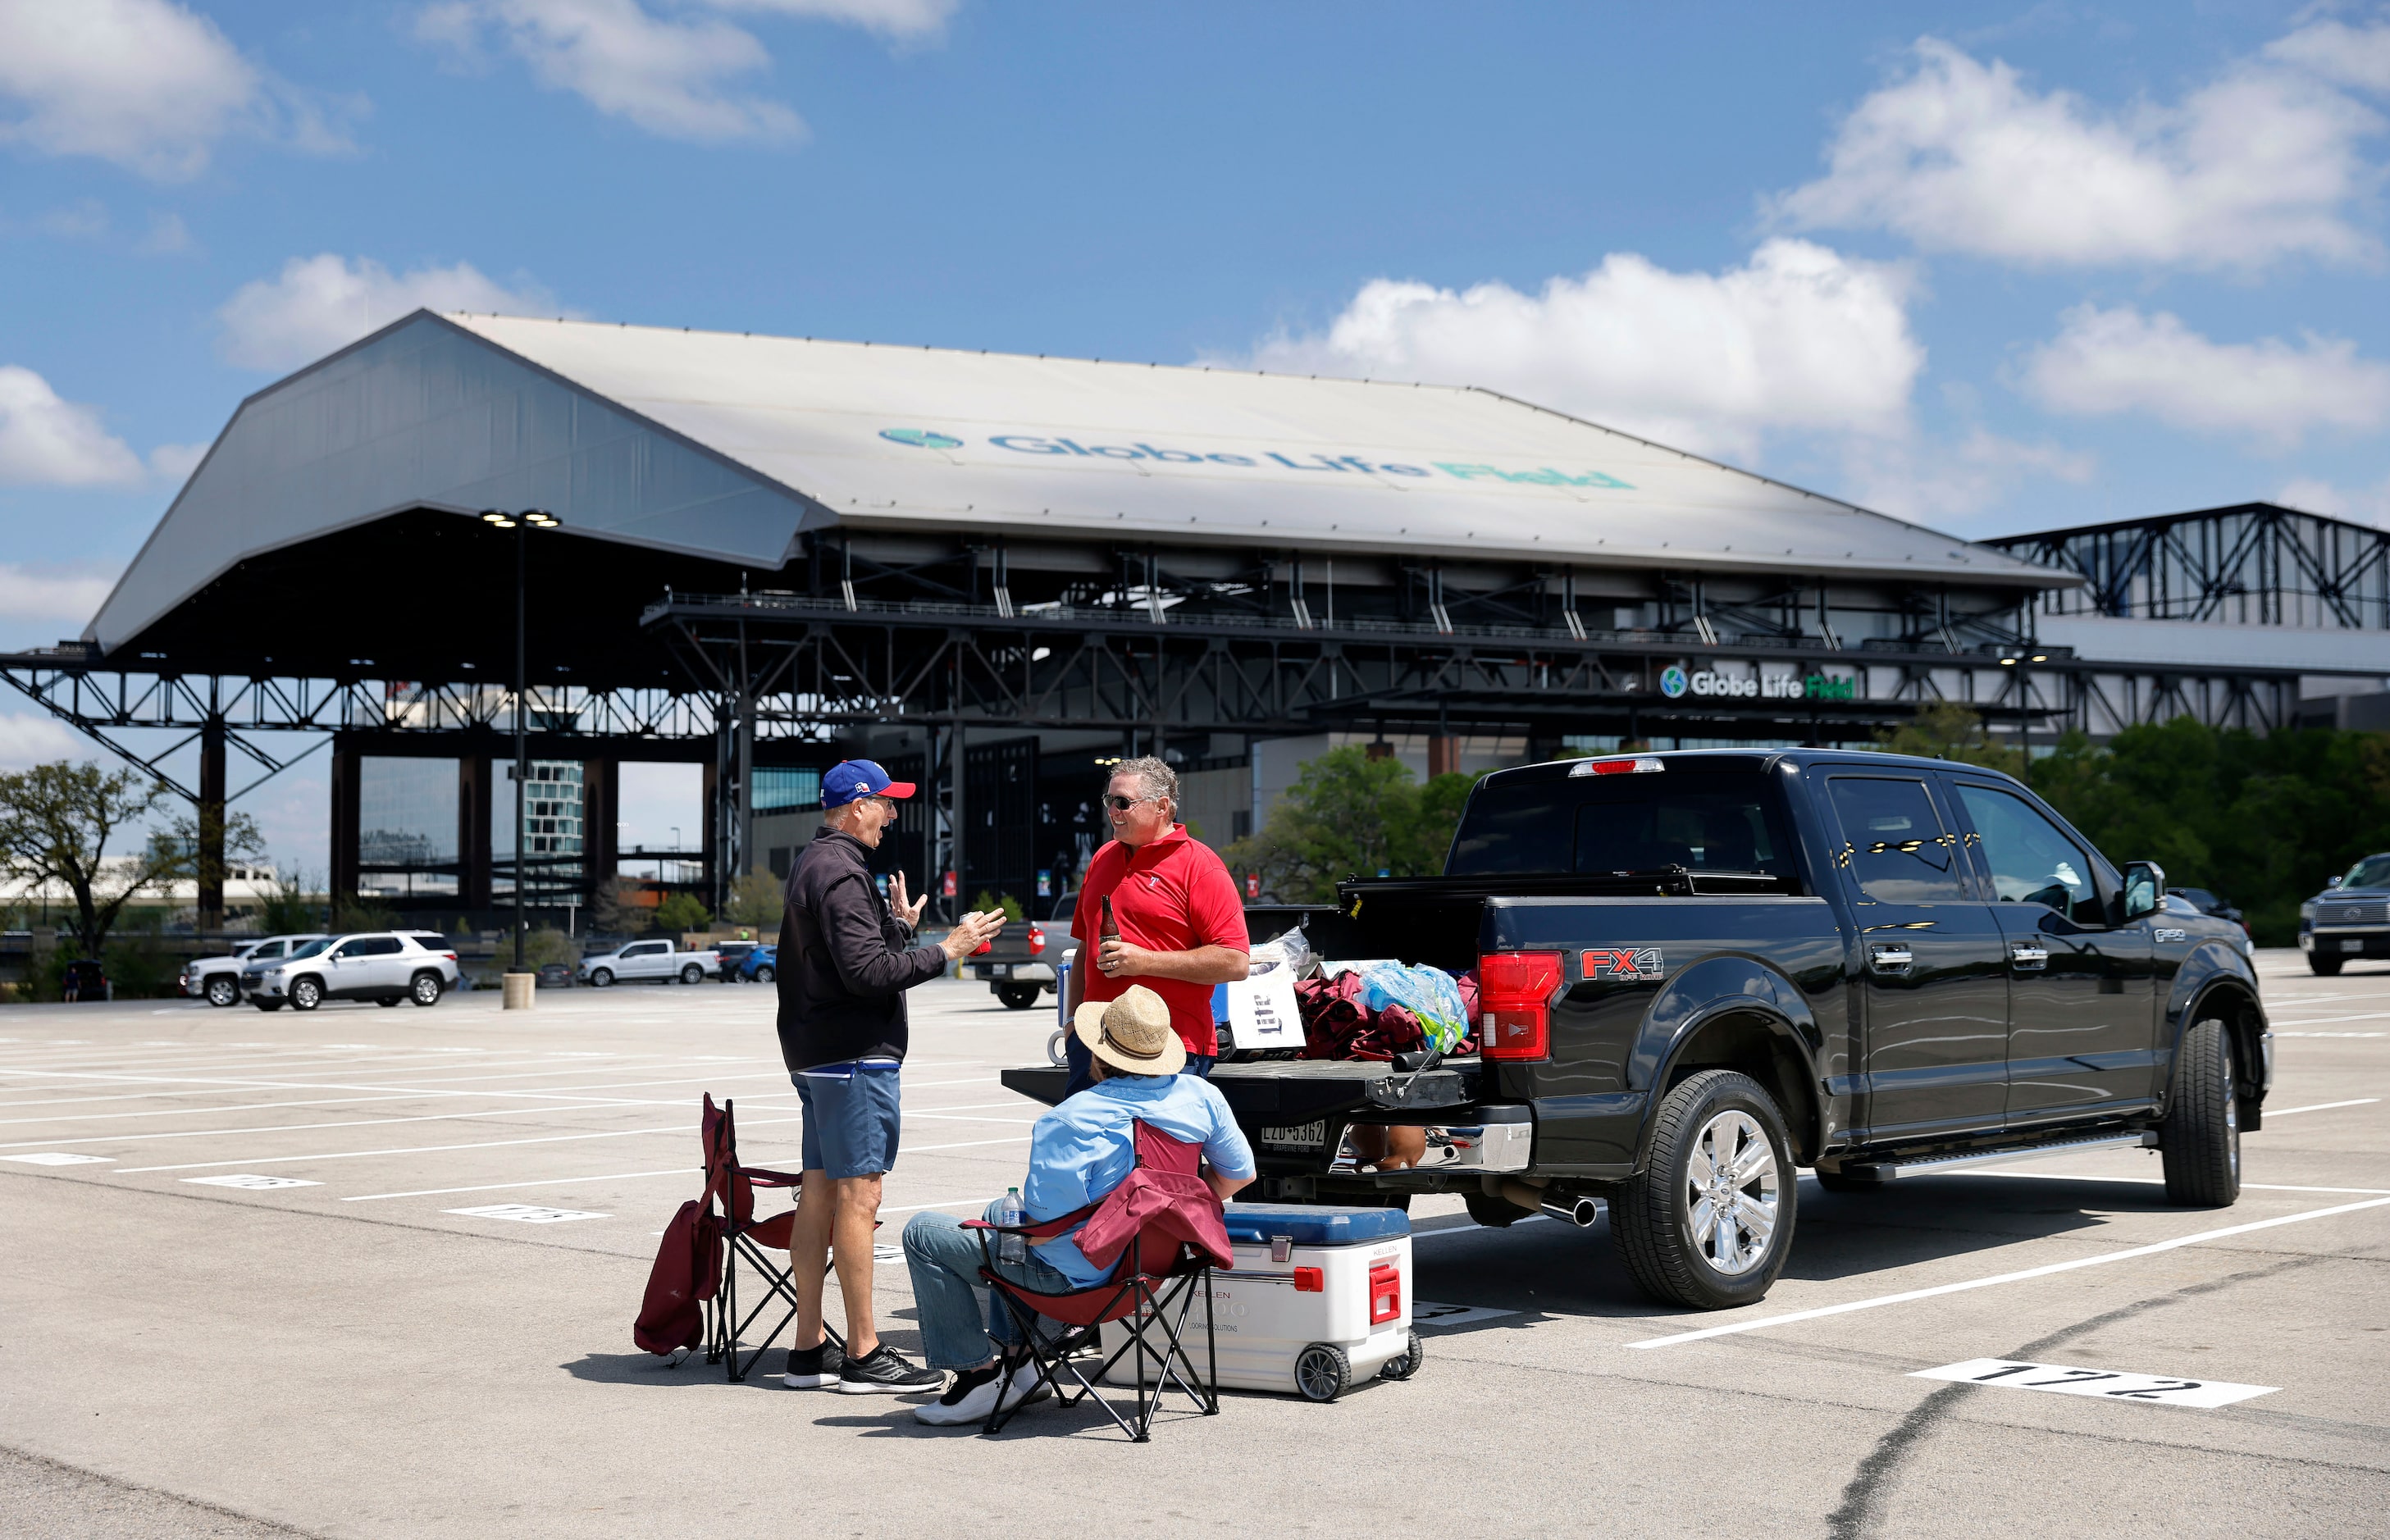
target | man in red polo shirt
x=1182, y=926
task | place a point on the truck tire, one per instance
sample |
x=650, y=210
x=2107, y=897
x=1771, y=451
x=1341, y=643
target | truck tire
x=1495, y=1213
x=1322, y=1371
x=692, y=974
x=1017, y=996
x=2201, y=1138
x=601, y=978
x=224, y=989
x=2323, y=966
x=1708, y=1236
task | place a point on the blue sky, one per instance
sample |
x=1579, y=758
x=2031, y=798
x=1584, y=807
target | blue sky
x=1994, y=268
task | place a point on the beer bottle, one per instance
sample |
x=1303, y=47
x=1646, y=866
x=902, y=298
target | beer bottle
x=1110, y=932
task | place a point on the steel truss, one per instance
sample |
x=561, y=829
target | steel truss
x=2255, y=564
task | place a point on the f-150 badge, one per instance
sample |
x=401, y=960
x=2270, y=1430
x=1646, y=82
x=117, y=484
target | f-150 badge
x=1625, y=963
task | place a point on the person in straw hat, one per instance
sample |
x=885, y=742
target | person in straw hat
x=1077, y=1153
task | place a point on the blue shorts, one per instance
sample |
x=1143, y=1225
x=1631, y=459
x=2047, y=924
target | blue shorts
x=852, y=1118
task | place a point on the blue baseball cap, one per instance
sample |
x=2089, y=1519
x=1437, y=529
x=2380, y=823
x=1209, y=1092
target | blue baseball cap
x=854, y=779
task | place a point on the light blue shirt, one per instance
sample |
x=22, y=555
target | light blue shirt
x=1088, y=1145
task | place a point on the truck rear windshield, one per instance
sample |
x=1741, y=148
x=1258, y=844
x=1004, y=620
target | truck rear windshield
x=1597, y=825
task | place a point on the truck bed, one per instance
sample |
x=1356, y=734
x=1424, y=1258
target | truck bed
x=1300, y=1088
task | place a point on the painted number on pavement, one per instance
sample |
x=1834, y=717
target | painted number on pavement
x=251, y=1184
x=2104, y=1383
x=525, y=1214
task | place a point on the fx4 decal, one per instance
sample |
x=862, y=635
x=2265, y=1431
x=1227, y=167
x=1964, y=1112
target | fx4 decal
x=1626, y=963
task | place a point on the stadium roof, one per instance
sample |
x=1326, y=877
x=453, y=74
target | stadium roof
x=729, y=446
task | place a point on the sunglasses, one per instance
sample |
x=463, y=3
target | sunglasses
x=1121, y=804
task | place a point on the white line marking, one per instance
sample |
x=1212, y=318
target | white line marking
x=678, y=1171
x=2151, y=1181
x=2319, y=1107
x=527, y=1213
x=58, y=1158
x=681, y=1129
x=249, y=1183
x=1907, y=1295
x=2060, y=1380
x=2333, y=1035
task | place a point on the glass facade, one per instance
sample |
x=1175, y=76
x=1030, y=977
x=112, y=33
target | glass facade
x=406, y=827
x=778, y=791
x=553, y=814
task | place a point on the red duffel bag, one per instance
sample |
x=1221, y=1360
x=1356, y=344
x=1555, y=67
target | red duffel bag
x=687, y=1269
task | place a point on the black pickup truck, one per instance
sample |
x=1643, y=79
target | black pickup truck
x=1698, y=971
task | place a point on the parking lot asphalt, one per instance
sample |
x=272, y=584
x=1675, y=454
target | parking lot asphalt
x=244, y=1291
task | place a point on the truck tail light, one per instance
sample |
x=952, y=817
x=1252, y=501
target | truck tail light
x=1514, y=999
x=1385, y=1293
x=1642, y=764
x=984, y=948
x=1037, y=942
x=1310, y=1280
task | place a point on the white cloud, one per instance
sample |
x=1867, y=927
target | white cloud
x=30, y=739
x=2353, y=55
x=669, y=77
x=1923, y=480
x=2105, y=362
x=1798, y=338
x=903, y=20
x=45, y=597
x=167, y=235
x=324, y=302
x=46, y=441
x=175, y=462
x=147, y=85
x=1959, y=155
x=86, y=219
x=2364, y=505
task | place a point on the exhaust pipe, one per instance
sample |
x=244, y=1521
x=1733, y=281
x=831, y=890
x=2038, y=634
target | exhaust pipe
x=1579, y=1211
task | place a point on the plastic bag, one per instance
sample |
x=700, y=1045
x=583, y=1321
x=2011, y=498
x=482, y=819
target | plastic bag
x=1429, y=994
x=1296, y=948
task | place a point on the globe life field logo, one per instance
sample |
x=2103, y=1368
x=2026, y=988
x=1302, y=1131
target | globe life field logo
x=920, y=438
x=1673, y=682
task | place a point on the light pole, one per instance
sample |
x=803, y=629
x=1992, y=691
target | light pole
x=517, y=993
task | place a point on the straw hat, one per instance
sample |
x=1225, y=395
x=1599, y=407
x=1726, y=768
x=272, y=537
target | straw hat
x=1132, y=1033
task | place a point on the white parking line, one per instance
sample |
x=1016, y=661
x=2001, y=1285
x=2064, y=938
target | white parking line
x=631, y=1175
x=2320, y=1107
x=1764, y=1322
x=678, y=1128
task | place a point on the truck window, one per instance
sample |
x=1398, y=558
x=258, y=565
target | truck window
x=2031, y=862
x=1599, y=825
x=1895, y=849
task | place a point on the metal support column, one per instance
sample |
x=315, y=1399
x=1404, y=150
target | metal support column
x=347, y=766
x=212, y=825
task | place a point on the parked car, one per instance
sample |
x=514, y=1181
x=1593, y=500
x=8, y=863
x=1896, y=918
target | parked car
x=2207, y=903
x=217, y=979
x=2349, y=918
x=1015, y=964
x=381, y=966
x=554, y=975
x=761, y=965
x=654, y=961
x=730, y=955
x=1698, y=971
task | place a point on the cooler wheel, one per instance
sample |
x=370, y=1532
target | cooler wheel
x=1322, y=1371
x=1404, y=1364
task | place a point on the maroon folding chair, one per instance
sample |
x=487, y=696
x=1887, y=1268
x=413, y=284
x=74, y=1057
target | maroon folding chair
x=732, y=1187
x=1162, y=1226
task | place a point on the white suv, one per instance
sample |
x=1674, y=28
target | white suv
x=217, y=979
x=384, y=966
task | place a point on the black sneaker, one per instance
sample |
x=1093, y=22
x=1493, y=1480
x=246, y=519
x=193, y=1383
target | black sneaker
x=882, y=1372
x=811, y=1368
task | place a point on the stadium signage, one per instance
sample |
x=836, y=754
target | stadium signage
x=1675, y=683
x=1029, y=444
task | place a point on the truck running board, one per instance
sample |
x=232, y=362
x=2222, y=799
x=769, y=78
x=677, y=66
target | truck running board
x=1886, y=1170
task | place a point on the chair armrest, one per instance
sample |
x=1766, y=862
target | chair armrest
x=762, y=1179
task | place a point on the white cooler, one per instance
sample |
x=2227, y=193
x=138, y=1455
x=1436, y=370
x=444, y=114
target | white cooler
x=1319, y=1298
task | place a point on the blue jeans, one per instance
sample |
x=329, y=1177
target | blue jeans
x=944, y=1260
x=1074, y=1053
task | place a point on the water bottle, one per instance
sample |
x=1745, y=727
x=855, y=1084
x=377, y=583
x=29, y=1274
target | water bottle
x=1011, y=1248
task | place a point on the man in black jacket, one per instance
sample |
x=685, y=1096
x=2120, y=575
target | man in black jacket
x=847, y=955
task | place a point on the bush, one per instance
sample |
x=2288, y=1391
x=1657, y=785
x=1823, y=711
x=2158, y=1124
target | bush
x=988, y=900
x=756, y=901
x=682, y=912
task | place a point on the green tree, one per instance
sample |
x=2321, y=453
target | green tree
x=617, y=910
x=1349, y=814
x=288, y=908
x=57, y=821
x=682, y=912
x=1946, y=729
x=756, y=902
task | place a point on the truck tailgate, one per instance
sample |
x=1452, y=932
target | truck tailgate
x=1300, y=1088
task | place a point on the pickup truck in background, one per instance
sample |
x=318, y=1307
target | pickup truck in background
x=646, y=961
x=1701, y=971
x=1019, y=964
x=217, y=979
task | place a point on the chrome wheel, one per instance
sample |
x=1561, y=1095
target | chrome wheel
x=1731, y=1193
x=222, y=992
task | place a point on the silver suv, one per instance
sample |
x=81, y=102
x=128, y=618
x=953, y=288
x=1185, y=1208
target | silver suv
x=217, y=979
x=381, y=966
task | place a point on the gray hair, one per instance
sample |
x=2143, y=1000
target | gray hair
x=1158, y=779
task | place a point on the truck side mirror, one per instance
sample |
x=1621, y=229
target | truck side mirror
x=2332, y=881
x=2144, y=888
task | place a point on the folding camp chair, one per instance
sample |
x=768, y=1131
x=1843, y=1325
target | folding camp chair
x=1164, y=1224
x=732, y=1185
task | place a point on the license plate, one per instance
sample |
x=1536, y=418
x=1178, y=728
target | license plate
x=2353, y=943
x=1304, y=1135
